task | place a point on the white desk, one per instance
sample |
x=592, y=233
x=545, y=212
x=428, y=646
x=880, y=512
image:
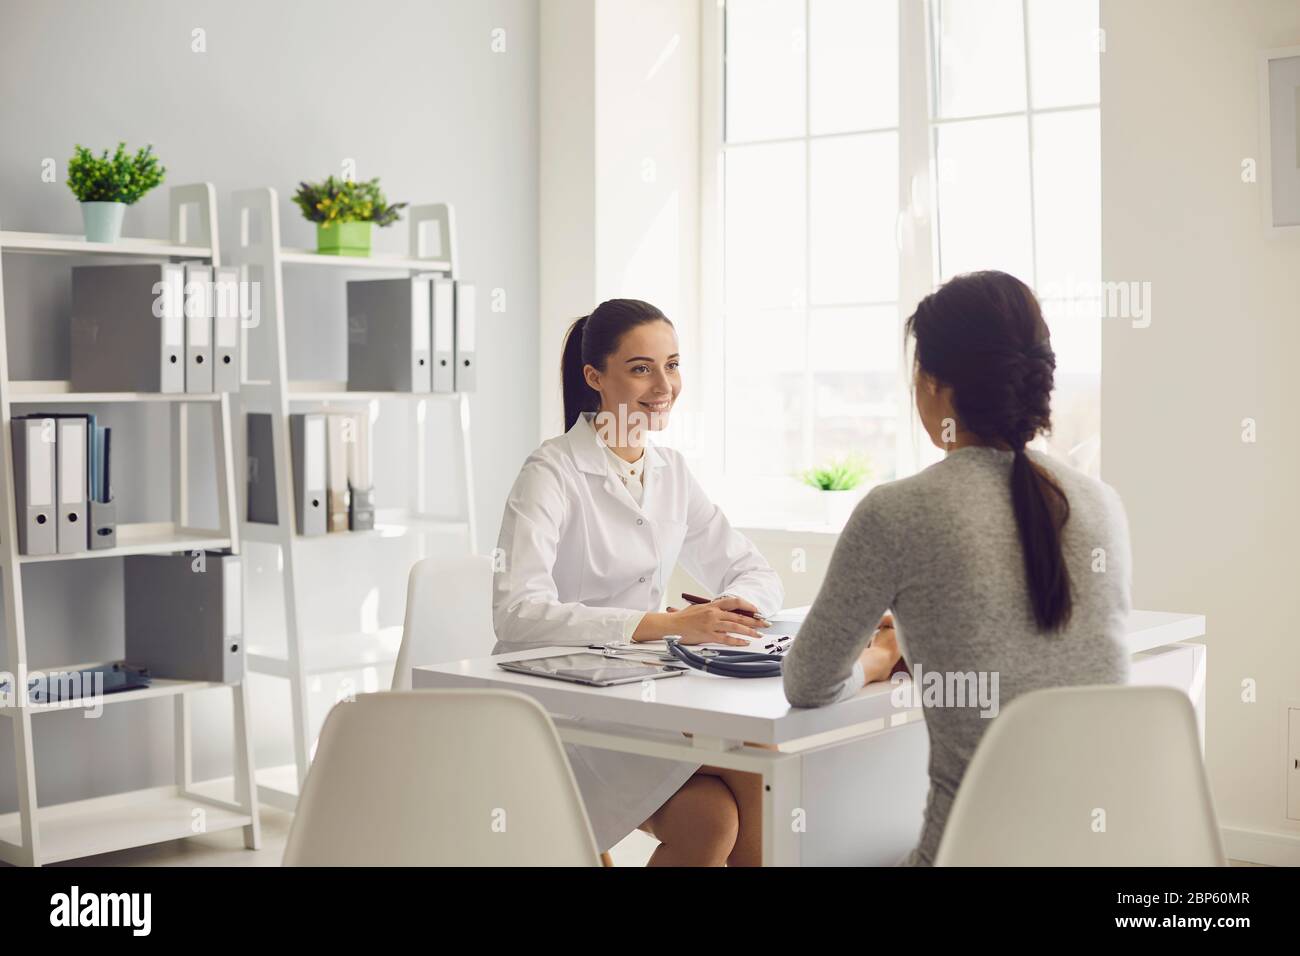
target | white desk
x=848, y=782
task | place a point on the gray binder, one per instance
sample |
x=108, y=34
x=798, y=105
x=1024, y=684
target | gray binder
x=128, y=328
x=225, y=329
x=444, y=335
x=261, y=470
x=101, y=506
x=198, y=328
x=103, y=524
x=388, y=334
x=307, y=435
x=466, y=306
x=34, y=484
x=71, y=449
x=185, y=618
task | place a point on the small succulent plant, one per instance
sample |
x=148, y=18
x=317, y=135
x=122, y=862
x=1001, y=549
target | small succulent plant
x=118, y=178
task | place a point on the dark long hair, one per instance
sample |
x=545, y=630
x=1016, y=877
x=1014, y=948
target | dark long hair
x=590, y=341
x=983, y=335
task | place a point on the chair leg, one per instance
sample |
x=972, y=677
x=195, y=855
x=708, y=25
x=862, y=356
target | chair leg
x=606, y=859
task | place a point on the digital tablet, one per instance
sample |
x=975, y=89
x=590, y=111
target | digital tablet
x=595, y=670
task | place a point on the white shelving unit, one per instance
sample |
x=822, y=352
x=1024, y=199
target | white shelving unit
x=260, y=254
x=36, y=835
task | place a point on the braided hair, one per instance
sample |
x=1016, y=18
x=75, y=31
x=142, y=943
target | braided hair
x=982, y=334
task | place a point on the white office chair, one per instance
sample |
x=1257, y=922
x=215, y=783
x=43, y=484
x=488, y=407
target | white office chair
x=440, y=778
x=448, y=614
x=1086, y=776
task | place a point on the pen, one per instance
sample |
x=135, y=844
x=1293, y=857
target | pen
x=696, y=599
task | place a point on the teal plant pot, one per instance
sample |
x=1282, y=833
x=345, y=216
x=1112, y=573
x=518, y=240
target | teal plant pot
x=103, y=220
x=343, y=238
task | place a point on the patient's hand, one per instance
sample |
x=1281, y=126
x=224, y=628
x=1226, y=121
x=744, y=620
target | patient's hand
x=881, y=654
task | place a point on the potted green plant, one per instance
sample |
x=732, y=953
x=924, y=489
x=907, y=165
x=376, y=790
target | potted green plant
x=106, y=185
x=840, y=483
x=344, y=212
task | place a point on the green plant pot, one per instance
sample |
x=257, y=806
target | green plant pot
x=343, y=238
x=103, y=220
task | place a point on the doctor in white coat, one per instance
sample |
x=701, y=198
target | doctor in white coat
x=593, y=527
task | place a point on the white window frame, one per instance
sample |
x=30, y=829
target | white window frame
x=785, y=501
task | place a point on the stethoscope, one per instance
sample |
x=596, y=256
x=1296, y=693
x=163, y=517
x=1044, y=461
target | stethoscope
x=726, y=662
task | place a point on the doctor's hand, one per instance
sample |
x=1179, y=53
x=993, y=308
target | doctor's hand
x=714, y=623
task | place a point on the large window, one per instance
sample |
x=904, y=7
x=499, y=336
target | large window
x=871, y=149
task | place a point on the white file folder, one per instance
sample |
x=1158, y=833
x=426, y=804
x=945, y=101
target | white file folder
x=307, y=435
x=225, y=329
x=466, y=305
x=34, y=484
x=198, y=328
x=444, y=335
x=70, y=455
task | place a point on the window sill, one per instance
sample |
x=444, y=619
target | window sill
x=782, y=505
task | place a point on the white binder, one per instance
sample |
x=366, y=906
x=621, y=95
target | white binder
x=444, y=335
x=34, y=484
x=198, y=328
x=225, y=329
x=70, y=454
x=466, y=305
x=307, y=437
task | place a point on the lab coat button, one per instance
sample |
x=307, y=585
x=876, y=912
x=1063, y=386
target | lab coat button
x=643, y=580
x=640, y=521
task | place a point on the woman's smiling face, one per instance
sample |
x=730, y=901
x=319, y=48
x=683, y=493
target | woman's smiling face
x=642, y=378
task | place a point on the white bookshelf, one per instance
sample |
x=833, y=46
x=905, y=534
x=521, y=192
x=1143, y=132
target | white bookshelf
x=41, y=242
x=33, y=392
x=122, y=820
x=413, y=263
x=306, y=654
x=36, y=835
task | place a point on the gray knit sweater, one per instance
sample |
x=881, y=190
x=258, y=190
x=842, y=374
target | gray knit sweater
x=941, y=550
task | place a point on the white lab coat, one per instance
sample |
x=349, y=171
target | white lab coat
x=579, y=558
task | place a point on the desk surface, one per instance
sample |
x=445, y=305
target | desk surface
x=705, y=704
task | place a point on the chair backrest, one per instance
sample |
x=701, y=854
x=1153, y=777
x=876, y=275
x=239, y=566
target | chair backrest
x=440, y=778
x=1086, y=776
x=448, y=614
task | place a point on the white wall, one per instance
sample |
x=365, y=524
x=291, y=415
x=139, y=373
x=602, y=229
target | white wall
x=619, y=168
x=285, y=91
x=621, y=96
x=567, y=187
x=1215, y=521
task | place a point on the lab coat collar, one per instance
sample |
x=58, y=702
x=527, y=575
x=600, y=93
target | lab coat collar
x=589, y=452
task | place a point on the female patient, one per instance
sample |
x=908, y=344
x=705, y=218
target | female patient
x=592, y=529
x=996, y=561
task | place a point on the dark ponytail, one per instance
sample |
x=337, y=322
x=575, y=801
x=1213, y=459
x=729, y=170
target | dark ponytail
x=983, y=335
x=590, y=341
x=579, y=397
